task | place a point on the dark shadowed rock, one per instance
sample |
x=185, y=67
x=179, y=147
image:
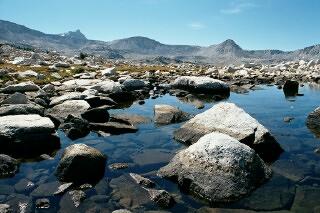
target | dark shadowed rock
x=43, y=203
x=166, y=114
x=81, y=163
x=291, y=88
x=96, y=115
x=8, y=166
x=114, y=128
x=217, y=168
x=229, y=119
x=75, y=127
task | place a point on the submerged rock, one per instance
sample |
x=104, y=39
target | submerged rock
x=8, y=166
x=166, y=114
x=142, y=180
x=161, y=197
x=313, y=121
x=229, y=119
x=81, y=163
x=201, y=84
x=217, y=168
x=114, y=128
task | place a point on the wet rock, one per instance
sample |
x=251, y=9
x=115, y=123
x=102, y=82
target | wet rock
x=77, y=197
x=114, y=128
x=317, y=151
x=117, y=166
x=5, y=208
x=46, y=157
x=21, y=87
x=131, y=118
x=313, y=122
x=16, y=98
x=141, y=102
x=8, y=166
x=75, y=127
x=24, y=185
x=306, y=199
x=217, y=168
x=85, y=186
x=42, y=203
x=133, y=84
x=63, y=188
x=70, y=107
x=166, y=114
x=21, y=109
x=98, y=101
x=96, y=115
x=229, y=119
x=201, y=84
x=142, y=180
x=45, y=190
x=291, y=88
x=128, y=194
x=161, y=197
x=81, y=163
x=27, y=134
x=288, y=119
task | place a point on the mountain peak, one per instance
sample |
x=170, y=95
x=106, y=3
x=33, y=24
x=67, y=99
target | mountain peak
x=77, y=34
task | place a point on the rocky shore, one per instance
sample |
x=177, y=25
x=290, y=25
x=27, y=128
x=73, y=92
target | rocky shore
x=228, y=152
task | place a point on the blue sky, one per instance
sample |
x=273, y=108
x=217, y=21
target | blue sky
x=253, y=24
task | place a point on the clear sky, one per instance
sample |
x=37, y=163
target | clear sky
x=253, y=24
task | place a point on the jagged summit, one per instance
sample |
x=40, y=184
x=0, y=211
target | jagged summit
x=74, y=35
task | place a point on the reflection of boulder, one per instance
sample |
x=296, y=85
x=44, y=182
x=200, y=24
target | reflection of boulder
x=291, y=88
x=313, y=121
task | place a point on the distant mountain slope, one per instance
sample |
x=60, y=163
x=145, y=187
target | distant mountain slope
x=142, y=48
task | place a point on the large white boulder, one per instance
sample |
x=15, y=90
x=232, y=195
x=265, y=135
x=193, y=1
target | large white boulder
x=217, y=168
x=229, y=119
x=201, y=84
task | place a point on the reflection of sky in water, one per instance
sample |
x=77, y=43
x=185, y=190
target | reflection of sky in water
x=152, y=147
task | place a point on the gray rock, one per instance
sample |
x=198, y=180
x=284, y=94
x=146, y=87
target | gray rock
x=77, y=197
x=81, y=163
x=63, y=188
x=109, y=71
x=75, y=127
x=27, y=133
x=28, y=74
x=201, y=84
x=45, y=190
x=21, y=87
x=117, y=166
x=69, y=107
x=121, y=211
x=16, y=98
x=8, y=166
x=142, y=180
x=107, y=86
x=166, y=114
x=313, y=121
x=132, y=84
x=21, y=109
x=68, y=96
x=161, y=197
x=5, y=208
x=229, y=119
x=217, y=168
x=42, y=203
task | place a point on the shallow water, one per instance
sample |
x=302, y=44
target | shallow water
x=152, y=147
